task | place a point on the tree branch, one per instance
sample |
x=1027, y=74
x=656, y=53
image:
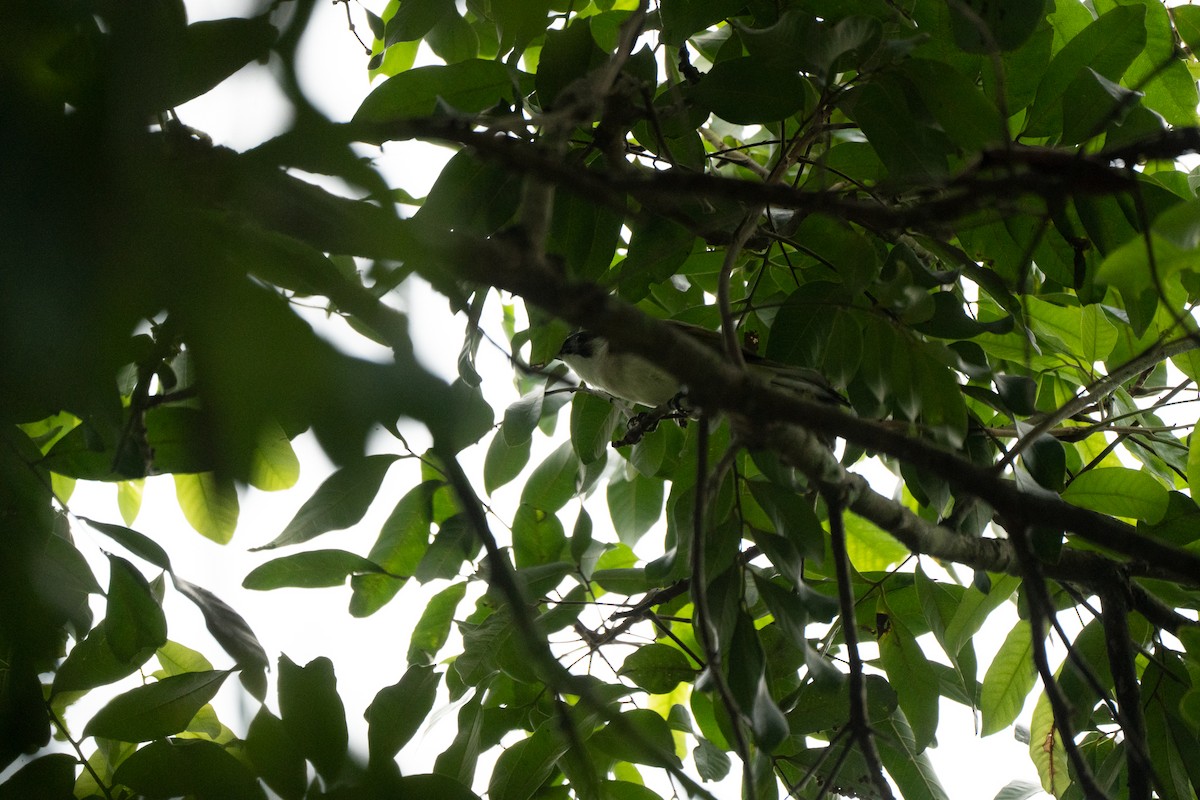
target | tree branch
x=1117, y=640
x=860, y=722
x=1041, y=610
x=715, y=386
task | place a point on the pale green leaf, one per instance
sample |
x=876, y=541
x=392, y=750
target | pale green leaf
x=1008, y=681
x=210, y=504
x=1119, y=491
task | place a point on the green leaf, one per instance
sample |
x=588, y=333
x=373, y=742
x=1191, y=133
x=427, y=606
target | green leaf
x=905, y=762
x=657, y=248
x=711, y=762
x=313, y=714
x=1046, y=749
x=275, y=465
x=521, y=418
x=593, y=420
x=504, y=461
x=309, y=570
x=339, y=502
x=1008, y=681
x=584, y=234
x=911, y=150
x=683, y=18
x=439, y=786
x=871, y=549
x=157, y=709
x=453, y=39
x=968, y=116
x=746, y=90
x=413, y=19
x=973, y=610
x=793, y=517
x=275, y=756
x=526, y=765
x=520, y=21
x=657, y=668
x=1107, y=46
x=467, y=87
x=191, y=767
x=1187, y=22
x=139, y=544
x=567, y=56
x=175, y=659
x=232, y=632
x=982, y=27
x=1120, y=492
x=635, y=504
x=1018, y=790
x=92, y=663
x=641, y=736
x=50, y=777
x=538, y=537
x=748, y=683
x=1091, y=103
x=433, y=628
x=554, y=481
x=209, y=503
x=135, y=620
x=911, y=675
x=398, y=711
x=402, y=543
x=470, y=195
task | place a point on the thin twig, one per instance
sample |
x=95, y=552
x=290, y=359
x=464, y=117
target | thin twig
x=1041, y=610
x=503, y=577
x=860, y=721
x=87, y=765
x=702, y=620
x=1125, y=684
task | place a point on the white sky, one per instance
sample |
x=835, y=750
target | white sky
x=306, y=623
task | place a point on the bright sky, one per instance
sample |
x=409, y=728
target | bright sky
x=370, y=653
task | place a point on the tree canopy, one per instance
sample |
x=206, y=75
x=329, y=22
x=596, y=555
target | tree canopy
x=971, y=217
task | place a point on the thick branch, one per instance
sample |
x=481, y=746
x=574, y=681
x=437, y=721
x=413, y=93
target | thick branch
x=715, y=385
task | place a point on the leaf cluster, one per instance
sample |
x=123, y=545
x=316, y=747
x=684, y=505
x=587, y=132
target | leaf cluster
x=969, y=217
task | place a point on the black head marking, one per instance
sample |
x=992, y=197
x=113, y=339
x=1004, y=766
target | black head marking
x=580, y=343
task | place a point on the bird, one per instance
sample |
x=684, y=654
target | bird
x=634, y=379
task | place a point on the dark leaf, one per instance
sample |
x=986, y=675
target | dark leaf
x=398, y=711
x=156, y=709
x=309, y=570
x=312, y=712
x=275, y=756
x=193, y=767
x=339, y=502
x=232, y=632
